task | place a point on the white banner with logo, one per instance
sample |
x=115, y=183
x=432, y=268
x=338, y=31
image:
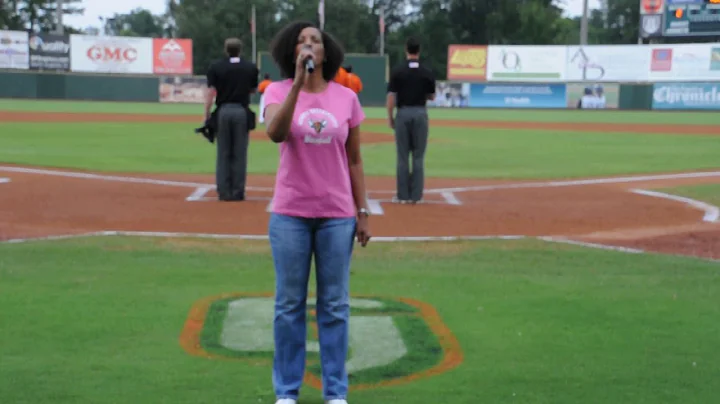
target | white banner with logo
x=686, y=62
x=109, y=54
x=614, y=63
x=14, y=50
x=526, y=63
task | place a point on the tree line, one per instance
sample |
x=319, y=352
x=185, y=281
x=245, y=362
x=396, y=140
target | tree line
x=355, y=23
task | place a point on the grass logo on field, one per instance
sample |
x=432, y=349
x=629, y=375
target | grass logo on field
x=392, y=341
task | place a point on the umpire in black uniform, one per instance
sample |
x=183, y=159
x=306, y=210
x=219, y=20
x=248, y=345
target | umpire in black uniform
x=230, y=82
x=411, y=85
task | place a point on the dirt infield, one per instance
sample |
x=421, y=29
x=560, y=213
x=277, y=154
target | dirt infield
x=46, y=202
x=6, y=116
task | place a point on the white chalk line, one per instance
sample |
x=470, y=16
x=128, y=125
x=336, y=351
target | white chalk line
x=519, y=185
x=450, y=198
x=264, y=237
x=198, y=194
x=215, y=199
x=134, y=180
x=570, y=183
x=374, y=206
x=712, y=212
x=591, y=245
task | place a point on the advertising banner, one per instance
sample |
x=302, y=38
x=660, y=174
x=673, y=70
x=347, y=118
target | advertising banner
x=14, y=50
x=686, y=62
x=110, y=54
x=451, y=95
x=183, y=89
x=526, y=63
x=610, y=91
x=614, y=63
x=172, y=56
x=49, y=52
x=651, y=18
x=684, y=96
x=467, y=62
x=518, y=95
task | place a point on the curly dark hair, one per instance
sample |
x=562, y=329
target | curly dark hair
x=283, y=50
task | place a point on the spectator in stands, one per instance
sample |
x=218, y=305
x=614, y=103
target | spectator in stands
x=588, y=100
x=600, y=94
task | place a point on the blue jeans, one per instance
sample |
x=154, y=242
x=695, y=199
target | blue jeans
x=294, y=241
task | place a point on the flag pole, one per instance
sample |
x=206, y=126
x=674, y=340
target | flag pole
x=253, y=23
x=382, y=30
x=321, y=14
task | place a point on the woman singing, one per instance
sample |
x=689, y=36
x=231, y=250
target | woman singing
x=318, y=208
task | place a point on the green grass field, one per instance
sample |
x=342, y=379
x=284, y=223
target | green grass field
x=456, y=152
x=99, y=320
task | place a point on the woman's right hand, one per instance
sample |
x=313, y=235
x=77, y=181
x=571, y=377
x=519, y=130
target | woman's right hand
x=300, y=71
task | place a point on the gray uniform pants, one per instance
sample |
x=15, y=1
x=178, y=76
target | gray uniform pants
x=411, y=137
x=232, y=147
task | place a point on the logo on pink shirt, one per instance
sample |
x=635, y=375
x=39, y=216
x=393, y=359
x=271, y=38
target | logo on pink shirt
x=316, y=119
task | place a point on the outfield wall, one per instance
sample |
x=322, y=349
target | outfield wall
x=450, y=94
x=658, y=76
x=190, y=89
x=637, y=77
x=686, y=96
x=116, y=68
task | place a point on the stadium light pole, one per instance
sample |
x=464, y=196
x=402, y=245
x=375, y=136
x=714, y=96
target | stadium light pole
x=60, y=29
x=584, y=24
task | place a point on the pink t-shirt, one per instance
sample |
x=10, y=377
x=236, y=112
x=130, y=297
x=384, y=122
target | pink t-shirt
x=313, y=178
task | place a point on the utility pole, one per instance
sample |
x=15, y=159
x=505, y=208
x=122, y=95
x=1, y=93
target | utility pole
x=584, y=24
x=60, y=29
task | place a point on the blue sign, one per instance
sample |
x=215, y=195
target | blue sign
x=518, y=95
x=685, y=96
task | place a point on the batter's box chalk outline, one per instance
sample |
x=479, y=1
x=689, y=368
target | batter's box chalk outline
x=199, y=195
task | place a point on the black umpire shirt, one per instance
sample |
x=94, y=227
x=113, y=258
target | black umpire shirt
x=411, y=82
x=234, y=79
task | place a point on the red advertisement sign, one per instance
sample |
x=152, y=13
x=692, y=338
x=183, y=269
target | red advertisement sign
x=661, y=60
x=172, y=56
x=651, y=6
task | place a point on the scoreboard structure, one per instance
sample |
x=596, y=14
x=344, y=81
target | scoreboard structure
x=679, y=18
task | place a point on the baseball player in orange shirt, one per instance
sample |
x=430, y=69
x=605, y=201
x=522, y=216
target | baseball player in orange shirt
x=353, y=81
x=341, y=76
x=261, y=89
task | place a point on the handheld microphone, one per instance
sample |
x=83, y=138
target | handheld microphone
x=309, y=64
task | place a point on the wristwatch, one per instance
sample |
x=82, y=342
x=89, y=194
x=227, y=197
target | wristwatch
x=363, y=211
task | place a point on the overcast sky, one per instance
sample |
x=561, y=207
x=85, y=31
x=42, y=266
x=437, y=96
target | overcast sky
x=106, y=8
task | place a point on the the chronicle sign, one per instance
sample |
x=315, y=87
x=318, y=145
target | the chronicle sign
x=392, y=341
